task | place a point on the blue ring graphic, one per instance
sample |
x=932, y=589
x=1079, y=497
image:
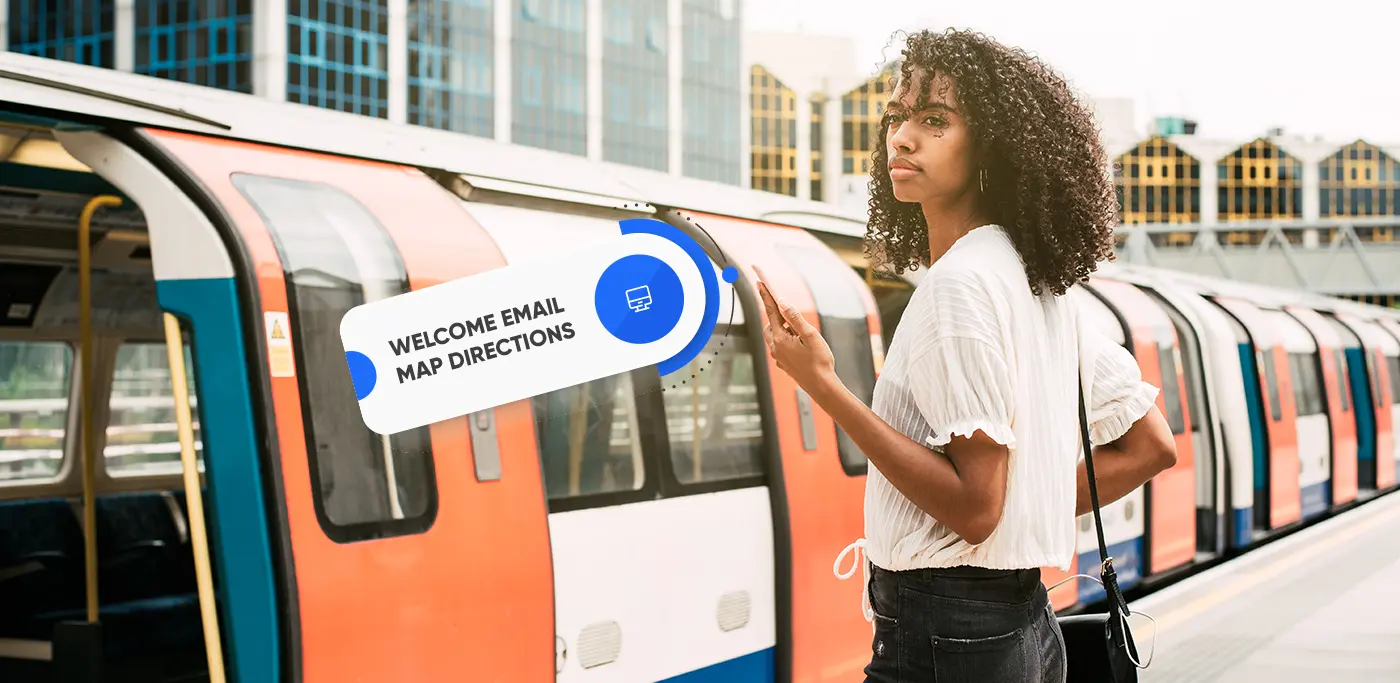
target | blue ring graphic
x=702, y=262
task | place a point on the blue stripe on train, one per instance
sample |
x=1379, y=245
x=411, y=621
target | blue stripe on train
x=1256, y=418
x=755, y=667
x=1316, y=498
x=1127, y=563
x=1244, y=527
x=239, y=544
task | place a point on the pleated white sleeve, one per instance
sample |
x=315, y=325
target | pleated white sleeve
x=1118, y=395
x=960, y=378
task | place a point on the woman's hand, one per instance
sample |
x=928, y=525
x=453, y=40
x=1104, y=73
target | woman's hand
x=795, y=345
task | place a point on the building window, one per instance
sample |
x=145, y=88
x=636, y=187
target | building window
x=196, y=41
x=451, y=58
x=1157, y=182
x=1360, y=179
x=861, y=110
x=549, y=63
x=711, y=93
x=1259, y=180
x=774, y=121
x=337, y=55
x=81, y=31
x=635, y=111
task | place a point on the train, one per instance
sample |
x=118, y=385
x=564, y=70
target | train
x=196, y=243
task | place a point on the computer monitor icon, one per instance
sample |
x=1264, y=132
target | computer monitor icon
x=638, y=298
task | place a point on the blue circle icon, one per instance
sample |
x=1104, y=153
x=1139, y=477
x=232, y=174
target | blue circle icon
x=362, y=373
x=730, y=274
x=639, y=299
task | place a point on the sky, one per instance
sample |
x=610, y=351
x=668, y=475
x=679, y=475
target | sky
x=1238, y=67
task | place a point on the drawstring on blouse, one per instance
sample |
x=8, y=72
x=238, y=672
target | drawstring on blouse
x=861, y=561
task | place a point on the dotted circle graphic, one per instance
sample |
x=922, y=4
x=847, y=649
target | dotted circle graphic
x=729, y=274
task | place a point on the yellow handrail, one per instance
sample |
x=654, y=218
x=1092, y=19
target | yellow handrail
x=175, y=347
x=85, y=372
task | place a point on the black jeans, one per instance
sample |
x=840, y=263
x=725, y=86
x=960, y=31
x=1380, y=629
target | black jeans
x=963, y=625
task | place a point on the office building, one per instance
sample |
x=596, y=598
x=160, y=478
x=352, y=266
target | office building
x=650, y=83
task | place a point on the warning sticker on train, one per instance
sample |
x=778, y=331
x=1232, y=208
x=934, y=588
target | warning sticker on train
x=279, y=344
x=647, y=297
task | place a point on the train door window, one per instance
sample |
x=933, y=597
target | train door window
x=1375, y=360
x=1171, y=388
x=34, y=386
x=142, y=435
x=589, y=442
x=1393, y=363
x=1343, y=381
x=1271, y=384
x=1307, y=390
x=842, y=319
x=713, y=420
x=336, y=256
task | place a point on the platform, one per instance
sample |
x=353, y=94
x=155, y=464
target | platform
x=1320, y=605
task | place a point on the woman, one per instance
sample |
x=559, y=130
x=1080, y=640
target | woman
x=992, y=175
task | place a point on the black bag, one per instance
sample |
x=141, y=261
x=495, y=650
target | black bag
x=1099, y=647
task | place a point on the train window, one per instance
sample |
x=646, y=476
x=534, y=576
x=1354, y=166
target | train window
x=1307, y=389
x=1343, y=381
x=142, y=435
x=1171, y=389
x=1372, y=366
x=336, y=256
x=1271, y=384
x=588, y=436
x=34, y=383
x=718, y=404
x=1393, y=363
x=842, y=320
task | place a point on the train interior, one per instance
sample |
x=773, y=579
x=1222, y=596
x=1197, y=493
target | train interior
x=146, y=599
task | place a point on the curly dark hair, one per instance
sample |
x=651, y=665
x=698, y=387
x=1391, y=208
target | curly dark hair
x=1047, y=180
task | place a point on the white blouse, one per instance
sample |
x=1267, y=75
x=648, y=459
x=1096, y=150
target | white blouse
x=976, y=350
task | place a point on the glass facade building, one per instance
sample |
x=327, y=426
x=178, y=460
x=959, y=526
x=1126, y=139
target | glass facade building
x=451, y=62
x=79, y=31
x=655, y=84
x=710, y=90
x=635, y=56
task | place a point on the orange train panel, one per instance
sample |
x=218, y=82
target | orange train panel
x=830, y=638
x=1342, y=422
x=1171, y=537
x=1284, y=485
x=427, y=606
x=1285, y=496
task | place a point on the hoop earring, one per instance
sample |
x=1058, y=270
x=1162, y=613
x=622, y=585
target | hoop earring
x=982, y=180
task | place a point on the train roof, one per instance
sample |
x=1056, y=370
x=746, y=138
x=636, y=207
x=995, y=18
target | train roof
x=92, y=93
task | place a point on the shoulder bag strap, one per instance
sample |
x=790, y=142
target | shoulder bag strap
x=1106, y=572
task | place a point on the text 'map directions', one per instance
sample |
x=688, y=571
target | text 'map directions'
x=522, y=330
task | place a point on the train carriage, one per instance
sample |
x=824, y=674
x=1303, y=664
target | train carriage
x=176, y=262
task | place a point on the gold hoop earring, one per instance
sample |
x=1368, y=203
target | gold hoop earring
x=982, y=180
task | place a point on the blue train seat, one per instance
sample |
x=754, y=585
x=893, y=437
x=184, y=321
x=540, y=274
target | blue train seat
x=146, y=587
x=41, y=559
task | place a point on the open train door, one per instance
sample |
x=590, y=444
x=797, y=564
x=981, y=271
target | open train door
x=422, y=555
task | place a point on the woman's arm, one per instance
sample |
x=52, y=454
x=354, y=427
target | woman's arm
x=1135, y=442
x=965, y=490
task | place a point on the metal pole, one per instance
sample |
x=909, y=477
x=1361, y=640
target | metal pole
x=85, y=370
